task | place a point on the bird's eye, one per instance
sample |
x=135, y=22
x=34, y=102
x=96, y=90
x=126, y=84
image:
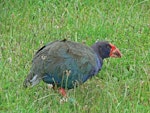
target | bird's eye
x=108, y=47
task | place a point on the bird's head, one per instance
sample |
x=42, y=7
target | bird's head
x=105, y=49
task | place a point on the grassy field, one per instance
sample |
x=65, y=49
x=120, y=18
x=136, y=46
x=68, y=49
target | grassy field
x=122, y=86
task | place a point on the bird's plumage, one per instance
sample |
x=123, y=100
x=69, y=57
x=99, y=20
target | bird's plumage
x=66, y=63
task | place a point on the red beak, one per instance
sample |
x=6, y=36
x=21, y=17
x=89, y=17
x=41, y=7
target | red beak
x=114, y=52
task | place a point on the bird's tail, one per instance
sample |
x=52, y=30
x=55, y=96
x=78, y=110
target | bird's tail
x=31, y=80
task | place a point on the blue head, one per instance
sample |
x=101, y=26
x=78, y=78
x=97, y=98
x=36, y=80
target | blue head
x=105, y=49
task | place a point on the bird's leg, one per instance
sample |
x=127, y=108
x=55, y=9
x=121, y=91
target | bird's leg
x=65, y=97
x=62, y=92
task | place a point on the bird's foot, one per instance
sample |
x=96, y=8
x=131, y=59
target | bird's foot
x=65, y=97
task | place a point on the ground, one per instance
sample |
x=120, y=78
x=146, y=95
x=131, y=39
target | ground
x=122, y=86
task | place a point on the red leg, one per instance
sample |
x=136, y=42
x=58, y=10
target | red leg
x=63, y=92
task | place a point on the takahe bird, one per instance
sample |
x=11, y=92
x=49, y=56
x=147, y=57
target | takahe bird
x=67, y=64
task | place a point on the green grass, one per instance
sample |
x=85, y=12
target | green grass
x=122, y=86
